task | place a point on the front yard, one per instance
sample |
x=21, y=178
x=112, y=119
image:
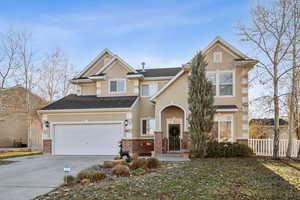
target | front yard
x=231, y=178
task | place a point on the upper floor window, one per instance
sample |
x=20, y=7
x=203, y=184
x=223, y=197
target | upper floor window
x=217, y=57
x=117, y=86
x=226, y=84
x=222, y=83
x=148, y=126
x=212, y=77
x=148, y=89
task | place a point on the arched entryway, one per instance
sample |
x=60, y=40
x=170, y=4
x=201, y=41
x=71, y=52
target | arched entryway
x=172, y=124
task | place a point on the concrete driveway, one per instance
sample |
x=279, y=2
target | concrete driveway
x=35, y=175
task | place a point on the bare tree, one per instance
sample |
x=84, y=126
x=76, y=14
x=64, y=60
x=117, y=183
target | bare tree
x=54, y=75
x=294, y=33
x=8, y=55
x=268, y=34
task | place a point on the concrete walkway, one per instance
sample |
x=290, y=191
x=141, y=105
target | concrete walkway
x=32, y=176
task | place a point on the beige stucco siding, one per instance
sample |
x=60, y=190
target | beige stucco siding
x=170, y=113
x=88, y=89
x=176, y=94
x=97, y=66
x=117, y=71
x=135, y=120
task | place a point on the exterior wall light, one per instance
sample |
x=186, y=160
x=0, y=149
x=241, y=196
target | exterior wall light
x=126, y=123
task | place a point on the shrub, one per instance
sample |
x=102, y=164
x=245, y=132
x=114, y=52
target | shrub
x=94, y=168
x=93, y=176
x=152, y=163
x=139, y=172
x=139, y=163
x=69, y=180
x=120, y=170
x=118, y=162
x=222, y=149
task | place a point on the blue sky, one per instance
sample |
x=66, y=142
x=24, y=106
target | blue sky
x=161, y=33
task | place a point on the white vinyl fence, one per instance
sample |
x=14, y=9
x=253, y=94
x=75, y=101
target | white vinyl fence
x=264, y=147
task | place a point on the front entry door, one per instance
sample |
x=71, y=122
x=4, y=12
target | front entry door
x=174, y=137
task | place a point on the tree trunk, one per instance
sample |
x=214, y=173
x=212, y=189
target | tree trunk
x=276, y=119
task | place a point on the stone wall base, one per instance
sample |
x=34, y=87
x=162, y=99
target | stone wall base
x=138, y=146
x=47, y=146
x=242, y=141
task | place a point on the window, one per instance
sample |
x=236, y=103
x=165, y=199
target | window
x=211, y=77
x=117, y=86
x=148, y=126
x=226, y=84
x=149, y=89
x=222, y=83
x=222, y=129
x=217, y=57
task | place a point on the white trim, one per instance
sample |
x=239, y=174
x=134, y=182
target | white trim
x=167, y=85
x=134, y=103
x=227, y=110
x=185, y=116
x=219, y=39
x=84, y=110
x=98, y=88
x=158, y=78
x=141, y=126
x=81, y=81
x=181, y=132
x=97, y=77
x=94, y=61
x=217, y=54
x=52, y=124
x=218, y=72
x=117, y=92
x=134, y=76
x=220, y=118
x=116, y=57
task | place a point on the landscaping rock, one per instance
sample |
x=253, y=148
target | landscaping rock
x=121, y=170
x=108, y=164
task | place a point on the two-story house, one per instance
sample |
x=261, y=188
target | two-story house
x=115, y=102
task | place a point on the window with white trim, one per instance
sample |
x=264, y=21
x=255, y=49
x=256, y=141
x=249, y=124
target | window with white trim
x=117, y=86
x=217, y=57
x=222, y=130
x=148, y=89
x=225, y=84
x=147, y=126
x=222, y=82
x=212, y=77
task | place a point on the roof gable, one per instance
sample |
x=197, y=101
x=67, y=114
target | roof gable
x=94, y=61
x=226, y=46
x=123, y=63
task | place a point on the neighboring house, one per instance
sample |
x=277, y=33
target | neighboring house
x=264, y=128
x=18, y=127
x=145, y=107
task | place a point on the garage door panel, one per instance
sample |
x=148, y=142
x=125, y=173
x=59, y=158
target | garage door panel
x=87, y=139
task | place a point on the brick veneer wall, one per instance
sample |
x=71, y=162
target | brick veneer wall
x=47, y=146
x=158, y=143
x=133, y=146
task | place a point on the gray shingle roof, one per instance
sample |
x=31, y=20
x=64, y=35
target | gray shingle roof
x=226, y=107
x=268, y=122
x=159, y=72
x=73, y=101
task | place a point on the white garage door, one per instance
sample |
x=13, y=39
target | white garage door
x=87, y=139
